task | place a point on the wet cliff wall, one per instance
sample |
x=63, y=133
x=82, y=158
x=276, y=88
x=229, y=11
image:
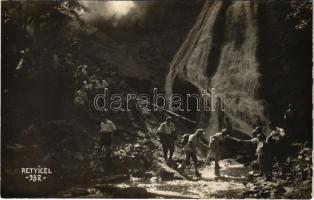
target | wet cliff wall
x=258, y=54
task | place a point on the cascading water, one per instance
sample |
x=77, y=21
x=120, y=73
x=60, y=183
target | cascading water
x=191, y=60
x=236, y=76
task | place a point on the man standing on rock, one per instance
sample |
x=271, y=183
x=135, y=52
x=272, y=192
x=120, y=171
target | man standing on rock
x=107, y=128
x=196, y=139
x=167, y=135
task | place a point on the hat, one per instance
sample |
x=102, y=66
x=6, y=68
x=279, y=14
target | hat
x=258, y=128
x=224, y=130
x=199, y=131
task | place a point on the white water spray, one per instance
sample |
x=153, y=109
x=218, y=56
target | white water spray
x=237, y=75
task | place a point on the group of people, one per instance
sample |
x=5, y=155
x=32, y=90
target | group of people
x=270, y=148
x=88, y=86
x=167, y=135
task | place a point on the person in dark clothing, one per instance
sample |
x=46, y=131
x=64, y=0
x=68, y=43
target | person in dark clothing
x=107, y=129
x=277, y=141
x=167, y=135
x=289, y=119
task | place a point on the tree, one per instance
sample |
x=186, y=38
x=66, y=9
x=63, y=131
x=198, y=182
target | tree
x=38, y=16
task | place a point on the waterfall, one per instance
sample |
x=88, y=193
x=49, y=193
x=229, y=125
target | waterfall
x=236, y=75
x=191, y=60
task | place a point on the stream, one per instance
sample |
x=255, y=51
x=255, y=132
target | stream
x=230, y=184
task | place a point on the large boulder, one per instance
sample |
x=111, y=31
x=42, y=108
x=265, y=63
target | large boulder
x=166, y=173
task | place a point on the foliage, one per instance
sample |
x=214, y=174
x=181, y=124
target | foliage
x=37, y=16
x=301, y=14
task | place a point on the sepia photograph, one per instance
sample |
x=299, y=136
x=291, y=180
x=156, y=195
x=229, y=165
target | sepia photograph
x=168, y=99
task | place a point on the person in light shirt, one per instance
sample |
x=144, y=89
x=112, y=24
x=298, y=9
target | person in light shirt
x=107, y=129
x=167, y=135
x=263, y=152
x=190, y=148
x=215, y=144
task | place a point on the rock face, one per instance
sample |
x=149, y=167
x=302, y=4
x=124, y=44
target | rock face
x=285, y=62
x=231, y=48
x=235, y=77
